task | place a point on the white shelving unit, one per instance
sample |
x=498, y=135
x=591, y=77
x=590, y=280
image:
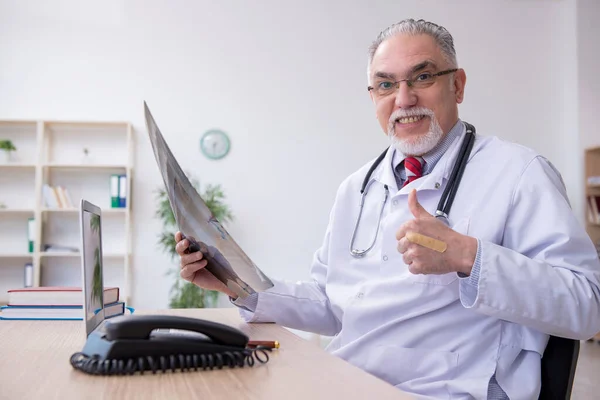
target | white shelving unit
x=592, y=169
x=52, y=153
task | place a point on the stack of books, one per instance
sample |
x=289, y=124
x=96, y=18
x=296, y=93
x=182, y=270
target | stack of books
x=56, y=303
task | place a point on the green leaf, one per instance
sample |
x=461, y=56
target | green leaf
x=7, y=145
x=95, y=223
x=97, y=278
x=187, y=295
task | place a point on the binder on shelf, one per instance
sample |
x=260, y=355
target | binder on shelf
x=30, y=233
x=114, y=190
x=122, y=191
x=28, y=275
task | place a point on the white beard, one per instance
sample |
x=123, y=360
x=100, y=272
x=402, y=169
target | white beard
x=415, y=146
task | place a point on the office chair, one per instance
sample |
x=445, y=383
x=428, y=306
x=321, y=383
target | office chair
x=558, y=368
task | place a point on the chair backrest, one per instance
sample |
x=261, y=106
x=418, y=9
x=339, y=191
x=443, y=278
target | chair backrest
x=558, y=368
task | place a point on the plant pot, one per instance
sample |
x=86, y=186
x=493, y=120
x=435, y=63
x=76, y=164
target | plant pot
x=4, y=156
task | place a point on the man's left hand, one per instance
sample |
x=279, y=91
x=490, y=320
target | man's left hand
x=460, y=252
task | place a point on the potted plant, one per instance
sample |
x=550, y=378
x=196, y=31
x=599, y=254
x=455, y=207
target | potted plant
x=185, y=294
x=6, y=146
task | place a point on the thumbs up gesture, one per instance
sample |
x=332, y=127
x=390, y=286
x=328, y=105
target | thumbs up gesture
x=458, y=250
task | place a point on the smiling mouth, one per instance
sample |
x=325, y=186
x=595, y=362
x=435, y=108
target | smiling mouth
x=410, y=120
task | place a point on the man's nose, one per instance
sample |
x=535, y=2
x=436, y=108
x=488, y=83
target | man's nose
x=405, y=96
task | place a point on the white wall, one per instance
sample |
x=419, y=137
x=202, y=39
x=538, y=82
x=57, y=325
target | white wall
x=588, y=51
x=287, y=81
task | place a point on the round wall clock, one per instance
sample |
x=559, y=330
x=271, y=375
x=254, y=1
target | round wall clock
x=215, y=144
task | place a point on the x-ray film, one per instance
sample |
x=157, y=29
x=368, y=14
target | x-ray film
x=226, y=260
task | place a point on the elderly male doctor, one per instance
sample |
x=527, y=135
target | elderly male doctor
x=474, y=320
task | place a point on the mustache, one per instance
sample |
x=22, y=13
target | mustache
x=411, y=112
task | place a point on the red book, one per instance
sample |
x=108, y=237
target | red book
x=55, y=296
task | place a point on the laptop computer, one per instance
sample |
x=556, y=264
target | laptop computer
x=90, y=218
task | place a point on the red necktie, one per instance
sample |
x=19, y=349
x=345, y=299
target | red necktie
x=414, y=169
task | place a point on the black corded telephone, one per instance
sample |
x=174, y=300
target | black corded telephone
x=128, y=344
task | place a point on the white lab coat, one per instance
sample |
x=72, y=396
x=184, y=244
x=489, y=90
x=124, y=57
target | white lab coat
x=540, y=275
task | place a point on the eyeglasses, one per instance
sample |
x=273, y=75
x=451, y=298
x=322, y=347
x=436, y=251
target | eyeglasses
x=420, y=80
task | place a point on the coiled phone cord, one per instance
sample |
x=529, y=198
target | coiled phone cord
x=95, y=366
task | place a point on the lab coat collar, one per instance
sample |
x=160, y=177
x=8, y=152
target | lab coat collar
x=435, y=179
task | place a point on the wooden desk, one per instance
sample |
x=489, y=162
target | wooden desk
x=34, y=364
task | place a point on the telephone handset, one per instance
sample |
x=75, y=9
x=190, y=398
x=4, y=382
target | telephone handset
x=138, y=343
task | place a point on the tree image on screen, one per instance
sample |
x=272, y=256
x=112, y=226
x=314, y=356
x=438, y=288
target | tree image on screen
x=97, y=276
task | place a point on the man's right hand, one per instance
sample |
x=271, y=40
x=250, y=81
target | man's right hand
x=193, y=268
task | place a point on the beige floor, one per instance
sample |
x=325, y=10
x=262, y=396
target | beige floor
x=587, y=375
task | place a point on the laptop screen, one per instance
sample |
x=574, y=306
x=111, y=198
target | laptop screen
x=93, y=283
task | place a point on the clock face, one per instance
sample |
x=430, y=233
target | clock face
x=215, y=144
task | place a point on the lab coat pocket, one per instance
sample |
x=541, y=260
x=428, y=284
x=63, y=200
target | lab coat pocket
x=414, y=369
x=462, y=227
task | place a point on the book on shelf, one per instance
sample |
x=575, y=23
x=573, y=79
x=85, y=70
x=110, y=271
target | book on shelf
x=593, y=209
x=593, y=180
x=55, y=296
x=58, y=312
x=28, y=275
x=56, y=197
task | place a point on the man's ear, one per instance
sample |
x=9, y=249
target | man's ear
x=460, y=80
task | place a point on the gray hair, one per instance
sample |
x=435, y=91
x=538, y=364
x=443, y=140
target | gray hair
x=442, y=37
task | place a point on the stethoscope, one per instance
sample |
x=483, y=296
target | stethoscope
x=443, y=208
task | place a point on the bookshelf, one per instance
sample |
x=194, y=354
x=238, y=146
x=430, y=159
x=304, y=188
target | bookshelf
x=592, y=190
x=52, y=153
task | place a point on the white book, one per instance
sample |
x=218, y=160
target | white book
x=28, y=275
x=56, y=197
x=61, y=195
x=49, y=200
x=68, y=197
